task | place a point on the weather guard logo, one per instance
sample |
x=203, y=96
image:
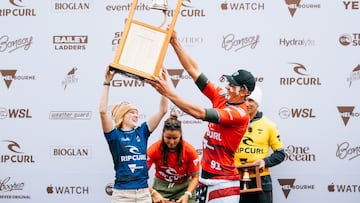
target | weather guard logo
x=70, y=115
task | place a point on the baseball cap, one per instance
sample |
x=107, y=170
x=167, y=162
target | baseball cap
x=256, y=95
x=242, y=78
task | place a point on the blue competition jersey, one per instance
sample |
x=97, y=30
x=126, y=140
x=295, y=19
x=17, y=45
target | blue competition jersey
x=128, y=150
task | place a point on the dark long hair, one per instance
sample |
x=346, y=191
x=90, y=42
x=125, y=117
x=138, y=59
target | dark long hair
x=172, y=124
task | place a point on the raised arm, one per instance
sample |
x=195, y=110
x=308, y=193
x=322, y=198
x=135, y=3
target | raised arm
x=155, y=119
x=105, y=117
x=186, y=61
x=161, y=85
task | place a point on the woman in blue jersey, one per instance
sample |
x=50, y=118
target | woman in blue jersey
x=128, y=145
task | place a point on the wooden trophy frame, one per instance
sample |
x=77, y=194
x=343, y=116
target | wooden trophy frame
x=251, y=167
x=142, y=47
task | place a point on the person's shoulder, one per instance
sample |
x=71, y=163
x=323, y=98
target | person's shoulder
x=188, y=146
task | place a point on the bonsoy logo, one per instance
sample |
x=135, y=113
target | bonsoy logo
x=347, y=112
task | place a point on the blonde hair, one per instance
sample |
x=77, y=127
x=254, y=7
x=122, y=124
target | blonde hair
x=118, y=112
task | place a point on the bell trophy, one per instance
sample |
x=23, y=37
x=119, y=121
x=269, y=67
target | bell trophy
x=244, y=171
x=142, y=47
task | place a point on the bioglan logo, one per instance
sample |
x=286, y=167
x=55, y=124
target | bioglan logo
x=19, y=9
x=299, y=154
x=354, y=75
x=70, y=78
x=231, y=42
x=347, y=112
x=10, y=45
x=288, y=185
x=15, y=155
x=350, y=39
x=10, y=74
x=243, y=6
x=71, y=6
x=72, y=152
x=303, y=78
x=346, y=151
x=294, y=5
x=286, y=113
x=70, y=42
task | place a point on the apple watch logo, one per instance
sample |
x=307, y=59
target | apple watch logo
x=50, y=189
x=224, y=5
x=331, y=187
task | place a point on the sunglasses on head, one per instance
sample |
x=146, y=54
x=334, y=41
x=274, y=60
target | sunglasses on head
x=173, y=125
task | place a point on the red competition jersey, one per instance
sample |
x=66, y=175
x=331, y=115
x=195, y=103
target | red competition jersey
x=222, y=139
x=172, y=172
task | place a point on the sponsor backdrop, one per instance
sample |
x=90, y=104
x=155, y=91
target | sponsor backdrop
x=304, y=54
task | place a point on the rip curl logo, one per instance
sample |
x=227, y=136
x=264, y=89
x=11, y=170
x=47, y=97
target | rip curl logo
x=17, y=3
x=299, y=69
x=133, y=149
x=13, y=146
x=8, y=76
x=346, y=113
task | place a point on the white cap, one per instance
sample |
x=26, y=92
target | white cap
x=256, y=95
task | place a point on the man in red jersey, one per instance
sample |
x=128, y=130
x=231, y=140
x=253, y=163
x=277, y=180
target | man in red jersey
x=228, y=120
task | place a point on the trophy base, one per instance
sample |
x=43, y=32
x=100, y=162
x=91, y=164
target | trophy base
x=130, y=74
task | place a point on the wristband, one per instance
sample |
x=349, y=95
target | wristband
x=107, y=83
x=188, y=193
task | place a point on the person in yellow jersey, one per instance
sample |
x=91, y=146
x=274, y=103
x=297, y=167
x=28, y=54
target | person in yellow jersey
x=261, y=136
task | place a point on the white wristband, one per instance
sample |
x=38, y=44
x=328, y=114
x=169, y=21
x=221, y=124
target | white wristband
x=188, y=193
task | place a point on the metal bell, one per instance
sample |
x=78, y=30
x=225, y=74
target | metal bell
x=159, y=4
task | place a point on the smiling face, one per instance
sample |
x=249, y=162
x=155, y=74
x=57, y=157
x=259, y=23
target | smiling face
x=235, y=94
x=130, y=119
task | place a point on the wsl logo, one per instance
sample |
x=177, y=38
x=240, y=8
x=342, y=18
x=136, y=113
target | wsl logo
x=306, y=113
x=15, y=113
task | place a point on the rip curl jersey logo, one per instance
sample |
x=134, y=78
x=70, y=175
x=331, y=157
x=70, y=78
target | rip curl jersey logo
x=133, y=149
